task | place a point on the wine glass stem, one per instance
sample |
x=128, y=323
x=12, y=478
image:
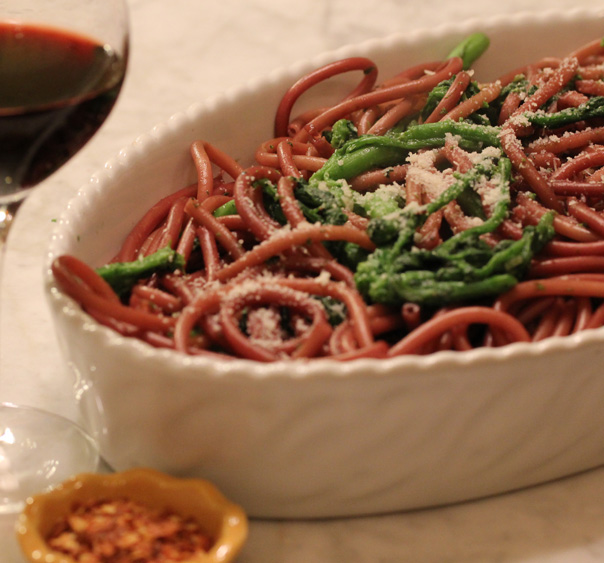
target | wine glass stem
x=8, y=212
x=7, y=216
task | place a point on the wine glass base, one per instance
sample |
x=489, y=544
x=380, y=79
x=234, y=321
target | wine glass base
x=39, y=450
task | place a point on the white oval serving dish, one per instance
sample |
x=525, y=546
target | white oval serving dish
x=324, y=439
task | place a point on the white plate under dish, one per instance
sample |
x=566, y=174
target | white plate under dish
x=322, y=438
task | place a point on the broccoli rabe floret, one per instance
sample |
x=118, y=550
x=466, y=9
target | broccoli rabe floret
x=270, y=199
x=435, y=96
x=341, y=132
x=321, y=201
x=324, y=200
x=472, y=270
x=438, y=93
x=122, y=276
x=463, y=266
x=382, y=202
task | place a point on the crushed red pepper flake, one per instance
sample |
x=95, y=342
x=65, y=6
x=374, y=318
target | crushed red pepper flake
x=125, y=531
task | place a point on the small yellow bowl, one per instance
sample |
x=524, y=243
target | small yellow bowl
x=223, y=521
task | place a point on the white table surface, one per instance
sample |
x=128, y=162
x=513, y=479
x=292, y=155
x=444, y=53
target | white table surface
x=181, y=52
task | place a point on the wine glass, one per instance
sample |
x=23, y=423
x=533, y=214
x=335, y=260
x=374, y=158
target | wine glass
x=62, y=65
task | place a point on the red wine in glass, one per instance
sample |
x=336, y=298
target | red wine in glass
x=56, y=89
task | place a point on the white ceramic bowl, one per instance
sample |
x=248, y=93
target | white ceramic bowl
x=324, y=439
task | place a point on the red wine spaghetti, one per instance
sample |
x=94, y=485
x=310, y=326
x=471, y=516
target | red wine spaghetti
x=430, y=212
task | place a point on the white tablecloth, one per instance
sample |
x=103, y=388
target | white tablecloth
x=181, y=52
